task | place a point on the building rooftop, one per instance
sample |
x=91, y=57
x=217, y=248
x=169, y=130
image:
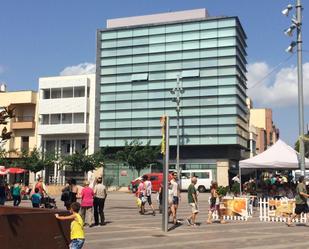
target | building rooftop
x=157, y=18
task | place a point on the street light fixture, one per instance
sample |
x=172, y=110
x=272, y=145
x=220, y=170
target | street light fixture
x=297, y=23
x=178, y=91
x=287, y=10
x=291, y=47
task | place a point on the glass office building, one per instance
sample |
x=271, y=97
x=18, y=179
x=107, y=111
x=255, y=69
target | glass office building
x=138, y=65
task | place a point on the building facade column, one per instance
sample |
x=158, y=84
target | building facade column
x=223, y=172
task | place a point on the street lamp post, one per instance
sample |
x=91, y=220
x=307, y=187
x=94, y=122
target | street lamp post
x=178, y=91
x=297, y=24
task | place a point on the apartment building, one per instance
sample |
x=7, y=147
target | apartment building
x=67, y=108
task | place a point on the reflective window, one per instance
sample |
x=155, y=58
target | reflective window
x=108, y=35
x=139, y=77
x=45, y=119
x=56, y=93
x=66, y=118
x=67, y=92
x=55, y=118
x=78, y=118
x=79, y=91
x=124, y=33
x=173, y=37
x=46, y=93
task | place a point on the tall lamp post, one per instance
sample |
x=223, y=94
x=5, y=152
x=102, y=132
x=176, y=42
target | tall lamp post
x=178, y=91
x=297, y=24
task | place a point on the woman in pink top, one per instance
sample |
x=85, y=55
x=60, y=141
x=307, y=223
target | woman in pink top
x=87, y=195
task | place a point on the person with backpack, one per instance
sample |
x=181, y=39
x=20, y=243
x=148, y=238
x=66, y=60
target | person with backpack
x=69, y=193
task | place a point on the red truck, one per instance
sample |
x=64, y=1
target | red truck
x=155, y=178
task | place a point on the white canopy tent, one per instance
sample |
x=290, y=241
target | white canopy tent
x=278, y=156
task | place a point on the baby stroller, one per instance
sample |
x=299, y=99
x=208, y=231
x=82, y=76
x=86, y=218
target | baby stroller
x=48, y=202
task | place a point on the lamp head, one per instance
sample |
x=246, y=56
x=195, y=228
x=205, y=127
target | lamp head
x=287, y=10
x=291, y=47
x=172, y=91
x=289, y=31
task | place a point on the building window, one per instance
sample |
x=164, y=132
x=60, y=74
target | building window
x=80, y=145
x=139, y=77
x=66, y=118
x=45, y=119
x=25, y=143
x=56, y=93
x=46, y=93
x=78, y=118
x=67, y=92
x=79, y=91
x=65, y=147
x=55, y=118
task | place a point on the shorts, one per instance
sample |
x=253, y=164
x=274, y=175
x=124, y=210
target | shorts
x=77, y=243
x=149, y=200
x=194, y=208
x=175, y=200
x=214, y=208
x=301, y=208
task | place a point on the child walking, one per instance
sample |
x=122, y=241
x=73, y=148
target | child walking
x=77, y=226
x=36, y=199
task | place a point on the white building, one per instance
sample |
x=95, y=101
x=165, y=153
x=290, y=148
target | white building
x=67, y=120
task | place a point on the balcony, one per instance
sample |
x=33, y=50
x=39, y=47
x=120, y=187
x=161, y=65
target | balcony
x=23, y=122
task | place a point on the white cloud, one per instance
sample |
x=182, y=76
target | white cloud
x=278, y=90
x=83, y=68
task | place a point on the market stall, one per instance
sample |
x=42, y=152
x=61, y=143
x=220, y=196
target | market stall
x=279, y=157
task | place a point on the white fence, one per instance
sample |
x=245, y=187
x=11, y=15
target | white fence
x=230, y=212
x=278, y=210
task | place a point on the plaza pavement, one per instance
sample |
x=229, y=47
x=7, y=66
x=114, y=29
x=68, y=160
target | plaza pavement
x=127, y=229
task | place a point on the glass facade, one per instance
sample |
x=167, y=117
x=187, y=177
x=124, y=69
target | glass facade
x=138, y=66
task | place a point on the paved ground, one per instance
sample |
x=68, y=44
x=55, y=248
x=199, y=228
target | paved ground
x=126, y=229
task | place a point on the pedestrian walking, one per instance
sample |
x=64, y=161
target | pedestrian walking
x=2, y=193
x=36, y=198
x=41, y=186
x=77, y=226
x=214, y=203
x=141, y=193
x=16, y=193
x=87, y=204
x=100, y=195
x=175, y=191
x=300, y=200
x=192, y=199
x=148, y=191
x=69, y=193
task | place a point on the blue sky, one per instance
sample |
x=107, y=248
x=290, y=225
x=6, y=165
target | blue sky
x=42, y=38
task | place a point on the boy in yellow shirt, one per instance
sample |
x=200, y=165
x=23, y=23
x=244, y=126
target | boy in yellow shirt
x=77, y=226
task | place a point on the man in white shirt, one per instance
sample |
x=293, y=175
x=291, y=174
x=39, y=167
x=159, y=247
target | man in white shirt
x=176, y=194
x=99, y=201
x=148, y=190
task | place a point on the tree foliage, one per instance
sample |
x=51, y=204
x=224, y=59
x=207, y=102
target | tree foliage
x=80, y=161
x=36, y=161
x=136, y=156
x=6, y=114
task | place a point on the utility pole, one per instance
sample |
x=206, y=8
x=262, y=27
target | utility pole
x=300, y=86
x=297, y=24
x=178, y=90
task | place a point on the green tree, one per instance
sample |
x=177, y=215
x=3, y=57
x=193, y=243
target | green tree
x=306, y=142
x=5, y=115
x=35, y=161
x=80, y=161
x=136, y=156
